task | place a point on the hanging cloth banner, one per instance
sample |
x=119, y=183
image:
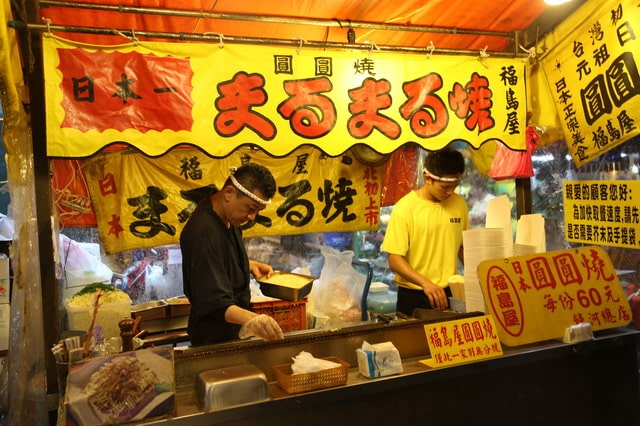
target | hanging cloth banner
x=154, y=96
x=144, y=202
x=593, y=76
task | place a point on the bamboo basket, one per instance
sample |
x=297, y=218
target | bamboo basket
x=296, y=383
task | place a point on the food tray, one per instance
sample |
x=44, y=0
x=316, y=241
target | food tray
x=149, y=310
x=231, y=386
x=178, y=306
x=287, y=286
x=296, y=383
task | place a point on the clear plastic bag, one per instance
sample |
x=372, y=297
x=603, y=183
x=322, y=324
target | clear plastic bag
x=80, y=266
x=337, y=293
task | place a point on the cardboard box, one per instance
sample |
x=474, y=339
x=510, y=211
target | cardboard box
x=5, y=321
x=5, y=284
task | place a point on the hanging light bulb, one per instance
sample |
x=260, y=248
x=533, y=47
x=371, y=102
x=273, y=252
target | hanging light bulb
x=351, y=36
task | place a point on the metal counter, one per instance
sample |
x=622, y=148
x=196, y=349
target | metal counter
x=589, y=383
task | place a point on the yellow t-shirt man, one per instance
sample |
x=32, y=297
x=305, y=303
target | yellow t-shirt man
x=428, y=234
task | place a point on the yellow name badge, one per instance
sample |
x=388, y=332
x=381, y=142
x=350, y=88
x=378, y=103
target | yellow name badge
x=462, y=341
x=537, y=297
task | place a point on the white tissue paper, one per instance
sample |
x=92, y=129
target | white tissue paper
x=380, y=359
x=304, y=363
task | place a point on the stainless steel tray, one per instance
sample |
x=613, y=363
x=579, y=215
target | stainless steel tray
x=287, y=286
x=231, y=386
x=150, y=310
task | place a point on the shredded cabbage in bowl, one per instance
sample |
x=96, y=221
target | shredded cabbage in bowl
x=85, y=298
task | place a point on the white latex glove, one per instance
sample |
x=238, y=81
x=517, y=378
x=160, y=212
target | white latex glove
x=262, y=326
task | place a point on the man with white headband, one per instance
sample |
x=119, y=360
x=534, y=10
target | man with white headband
x=424, y=234
x=215, y=266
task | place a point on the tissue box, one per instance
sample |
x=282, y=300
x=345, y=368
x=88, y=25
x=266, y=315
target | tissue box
x=382, y=359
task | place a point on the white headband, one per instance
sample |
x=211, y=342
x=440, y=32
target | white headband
x=244, y=190
x=440, y=178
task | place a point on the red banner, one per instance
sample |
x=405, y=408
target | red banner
x=136, y=91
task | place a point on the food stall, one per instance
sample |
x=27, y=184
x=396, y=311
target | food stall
x=169, y=159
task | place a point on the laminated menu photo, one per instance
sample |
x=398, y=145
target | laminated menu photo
x=120, y=388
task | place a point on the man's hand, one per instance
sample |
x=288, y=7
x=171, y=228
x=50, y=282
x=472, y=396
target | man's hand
x=436, y=295
x=260, y=270
x=262, y=326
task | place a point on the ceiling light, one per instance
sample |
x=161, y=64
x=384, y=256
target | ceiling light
x=556, y=2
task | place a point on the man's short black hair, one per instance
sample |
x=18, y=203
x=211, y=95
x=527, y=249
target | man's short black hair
x=254, y=177
x=445, y=162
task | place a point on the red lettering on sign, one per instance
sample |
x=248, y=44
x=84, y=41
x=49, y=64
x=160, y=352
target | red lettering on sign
x=426, y=111
x=108, y=185
x=368, y=100
x=311, y=115
x=237, y=98
x=473, y=103
x=500, y=288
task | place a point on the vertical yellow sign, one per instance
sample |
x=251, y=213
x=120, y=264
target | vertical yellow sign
x=594, y=80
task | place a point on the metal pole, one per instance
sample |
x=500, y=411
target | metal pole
x=221, y=38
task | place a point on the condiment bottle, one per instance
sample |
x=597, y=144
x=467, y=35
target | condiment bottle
x=98, y=348
x=127, y=331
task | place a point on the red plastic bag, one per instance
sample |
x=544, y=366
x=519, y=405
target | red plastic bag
x=509, y=164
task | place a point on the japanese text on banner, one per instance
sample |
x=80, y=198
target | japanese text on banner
x=155, y=96
x=144, y=202
x=595, y=82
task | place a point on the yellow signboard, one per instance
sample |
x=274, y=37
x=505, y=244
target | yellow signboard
x=602, y=212
x=461, y=341
x=144, y=202
x=594, y=79
x=155, y=96
x=536, y=297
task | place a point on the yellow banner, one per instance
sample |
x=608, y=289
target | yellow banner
x=14, y=91
x=144, y=202
x=155, y=96
x=602, y=212
x=462, y=341
x=537, y=297
x=594, y=79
